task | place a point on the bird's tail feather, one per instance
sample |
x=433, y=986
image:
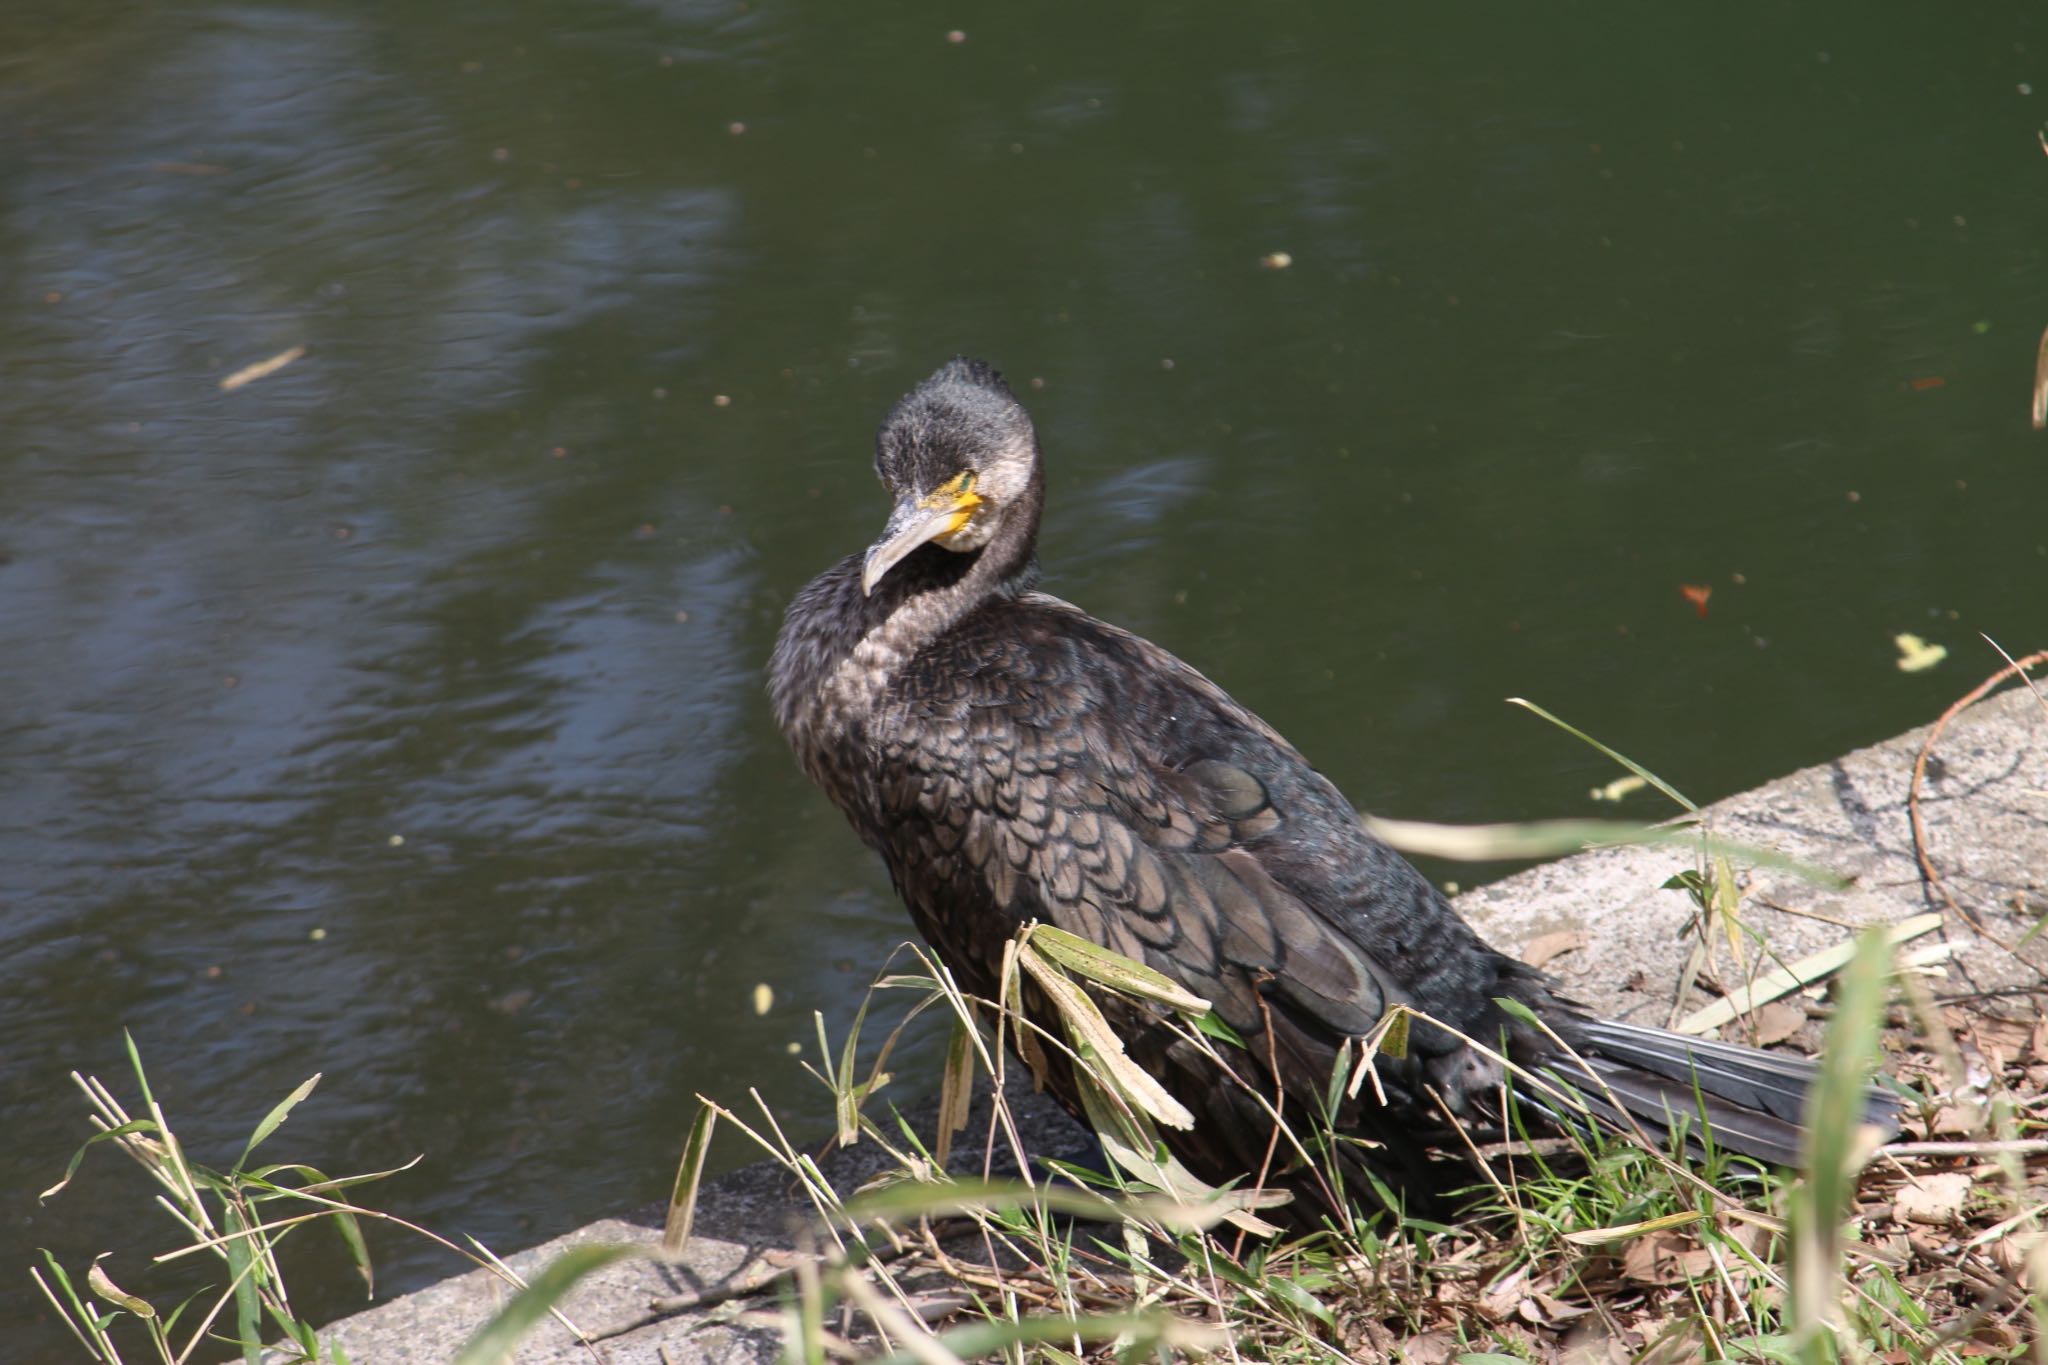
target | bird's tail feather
x=1752, y=1101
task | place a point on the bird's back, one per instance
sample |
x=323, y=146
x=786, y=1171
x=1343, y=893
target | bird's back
x=1035, y=763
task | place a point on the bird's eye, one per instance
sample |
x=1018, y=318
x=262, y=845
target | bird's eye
x=966, y=483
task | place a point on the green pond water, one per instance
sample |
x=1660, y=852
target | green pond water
x=398, y=716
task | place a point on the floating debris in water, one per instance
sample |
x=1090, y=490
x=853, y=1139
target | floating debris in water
x=249, y=374
x=764, y=998
x=2041, y=384
x=1619, y=788
x=1916, y=655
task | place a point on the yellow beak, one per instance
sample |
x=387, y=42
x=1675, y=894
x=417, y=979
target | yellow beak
x=915, y=521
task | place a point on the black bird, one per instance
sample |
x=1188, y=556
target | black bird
x=1013, y=759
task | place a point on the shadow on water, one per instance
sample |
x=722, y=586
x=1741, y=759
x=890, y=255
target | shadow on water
x=397, y=716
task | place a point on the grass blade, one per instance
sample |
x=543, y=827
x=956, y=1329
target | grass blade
x=243, y=1264
x=1838, y=1143
x=1638, y=769
x=132, y=1126
x=274, y=1118
x=1807, y=970
x=682, y=1199
x=497, y=1339
x=1098, y=1042
x=1113, y=969
x=1550, y=838
x=956, y=1088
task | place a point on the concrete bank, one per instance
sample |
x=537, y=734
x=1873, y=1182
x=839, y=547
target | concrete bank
x=1985, y=805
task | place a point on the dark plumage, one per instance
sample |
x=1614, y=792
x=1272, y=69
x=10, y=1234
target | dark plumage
x=1012, y=759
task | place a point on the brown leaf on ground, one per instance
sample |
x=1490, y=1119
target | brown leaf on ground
x=1430, y=1348
x=1935, y=1200
x=1541, y=1310
x=1592, y=1342
x=1665, y=1258
x=2007, y=1037
x=1767, y=1024
x=1953, y=1120
x=1544, y=949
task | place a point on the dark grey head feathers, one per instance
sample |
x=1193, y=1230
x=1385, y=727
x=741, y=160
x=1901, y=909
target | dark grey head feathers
x=962, y=418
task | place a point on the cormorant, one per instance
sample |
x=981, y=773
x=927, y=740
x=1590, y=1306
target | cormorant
x=1014, y=759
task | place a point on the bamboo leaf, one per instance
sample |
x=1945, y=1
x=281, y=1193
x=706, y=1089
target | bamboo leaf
x=1550, y=838
x=98, y=1281
x=1131, y=1142
x=1638, y=769
x=1100, y=1044
x=956, y=1088
x=1622, y=1232
x=1838, y=1143
x=1728, y=904
x=1170, y=1337
x=1393, y=1041
x=1097, y=963
x=1302, y=1301
x=1213, y=1025
x=497, y=1339
x=345, y=1222
x=1807, y=970
x=682, y=1199
x=274, y=1118
x=350, y=1231
x=1023, y=1037
x=242, y=1263
x=123, y=1130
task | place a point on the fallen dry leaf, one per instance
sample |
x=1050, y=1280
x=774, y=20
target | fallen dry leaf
x=1953, y=1120
x=1593, y=1342
x=1541, y=1310
x=1430, y=1348
x=1543, y=949
x=1773, y=1023
x=1933, y=1200
x=1665, y=1258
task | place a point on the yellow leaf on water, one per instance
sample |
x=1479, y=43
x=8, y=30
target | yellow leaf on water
x=1619, y=788
x=1916, y=654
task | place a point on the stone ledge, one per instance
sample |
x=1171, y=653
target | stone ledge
x=1986, y=811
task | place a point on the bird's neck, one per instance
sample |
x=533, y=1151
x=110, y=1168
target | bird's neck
x=933, y=588
x=840, y=650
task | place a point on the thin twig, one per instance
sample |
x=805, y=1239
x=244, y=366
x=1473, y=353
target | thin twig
x=1975, y=694
x=1986, y=1147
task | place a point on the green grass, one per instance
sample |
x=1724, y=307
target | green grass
x=239, y=1216
x=1586, y=1248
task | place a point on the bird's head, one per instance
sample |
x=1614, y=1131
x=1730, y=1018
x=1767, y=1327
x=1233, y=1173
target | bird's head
x=958, y=454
